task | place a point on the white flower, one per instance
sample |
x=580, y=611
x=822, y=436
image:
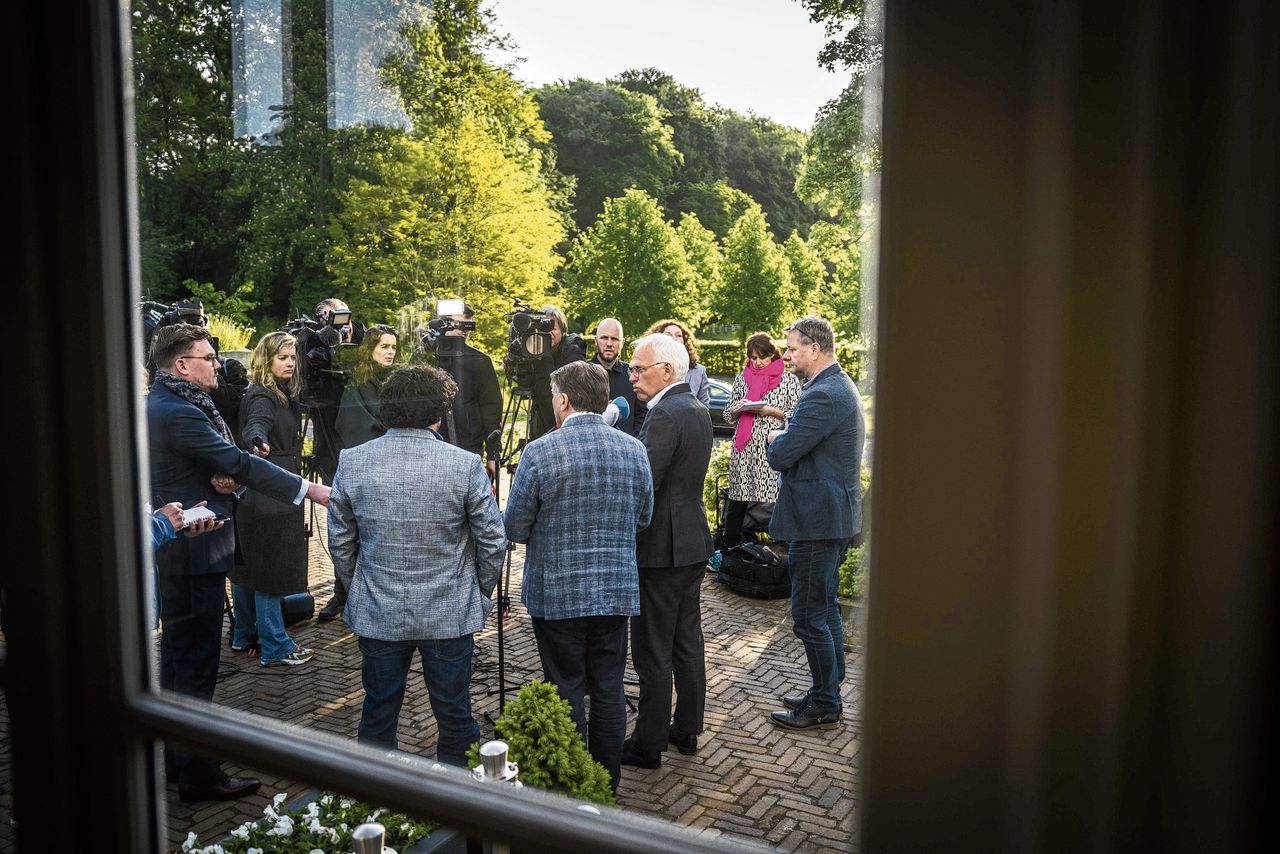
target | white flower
x=279, y=799
x=312, y=810
x=242, y=832
x=387, y=849
x=254, y=851
x=326, y=800
x=315, y=851
x=190, y=843
x=346, y=803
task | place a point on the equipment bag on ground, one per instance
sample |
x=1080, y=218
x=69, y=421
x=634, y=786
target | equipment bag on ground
x=751, y=569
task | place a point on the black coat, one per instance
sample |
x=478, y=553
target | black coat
x=358, y=420
x=677, y=435
x=620, y=386
x=477, y=409
x=272, y=534
x=541, y=417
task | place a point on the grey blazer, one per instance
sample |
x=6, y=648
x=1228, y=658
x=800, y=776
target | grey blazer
x=677, y=436
x=819, y=459
x=416, y=535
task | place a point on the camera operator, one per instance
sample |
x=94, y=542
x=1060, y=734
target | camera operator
x=566, y=347
x=476, y=420
x=233, y=377
x=323, y=378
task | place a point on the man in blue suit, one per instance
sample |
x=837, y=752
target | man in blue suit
x=194, y=459
x=580, y=495
x=818, y=454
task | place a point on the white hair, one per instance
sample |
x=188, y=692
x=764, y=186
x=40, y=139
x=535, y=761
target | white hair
x=669, y=350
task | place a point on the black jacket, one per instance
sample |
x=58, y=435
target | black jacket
x=620, y=386
x=358, y=420
x=541, y=417
x=677, y=435
x=477, y=410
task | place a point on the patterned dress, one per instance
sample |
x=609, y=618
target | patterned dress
x=750, y=478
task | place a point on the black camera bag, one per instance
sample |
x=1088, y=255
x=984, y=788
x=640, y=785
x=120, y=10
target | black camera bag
x=750, y=569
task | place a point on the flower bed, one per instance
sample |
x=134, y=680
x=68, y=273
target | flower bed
x=319, y=825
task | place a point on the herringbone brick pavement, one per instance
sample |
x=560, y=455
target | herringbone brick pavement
x=796, y=791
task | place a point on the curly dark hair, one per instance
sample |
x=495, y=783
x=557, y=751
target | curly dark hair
x=416, y=396
x=690, y=343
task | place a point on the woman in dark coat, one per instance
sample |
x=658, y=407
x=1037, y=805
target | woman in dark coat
x=271, y=533
x=358, y=420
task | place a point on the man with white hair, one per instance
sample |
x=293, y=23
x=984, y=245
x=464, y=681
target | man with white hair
x=666, y=637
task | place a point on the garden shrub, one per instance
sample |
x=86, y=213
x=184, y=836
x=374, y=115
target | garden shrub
x=543, y=741
x=230, y=335
x=717, y=475
x=725, y=358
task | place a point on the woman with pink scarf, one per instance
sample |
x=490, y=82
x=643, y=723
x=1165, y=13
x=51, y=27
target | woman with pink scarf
x=763, y=395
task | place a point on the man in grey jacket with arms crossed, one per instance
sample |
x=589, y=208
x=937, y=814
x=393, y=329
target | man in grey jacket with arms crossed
x=415, y=533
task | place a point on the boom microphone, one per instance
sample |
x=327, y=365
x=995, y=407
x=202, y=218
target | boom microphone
x=617, y=410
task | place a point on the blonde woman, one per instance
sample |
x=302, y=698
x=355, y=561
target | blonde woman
x=699, y=385
x=271, y=533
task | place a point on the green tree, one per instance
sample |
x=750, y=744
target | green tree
x=756, y=289
x=694, y=125
x=609, y=139
x=808, y=273
x=462, y=208
x=762, y=158
x=717, y=205
x=450, y=216
x=840, y=296
x=631, y=264
x=705, y=259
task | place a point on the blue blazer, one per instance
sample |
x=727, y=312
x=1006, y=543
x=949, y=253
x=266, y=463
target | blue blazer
x=819, y=459
x=578, y=498
x=187, y=450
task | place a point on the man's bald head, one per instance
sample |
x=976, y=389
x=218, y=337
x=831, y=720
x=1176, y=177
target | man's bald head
x=609, y=341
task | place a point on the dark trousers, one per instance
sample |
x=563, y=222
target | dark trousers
x=191, y=608
x=666, y=647
x=588, y=655
x=446, y=668
x=734, y=512
x=815, y=611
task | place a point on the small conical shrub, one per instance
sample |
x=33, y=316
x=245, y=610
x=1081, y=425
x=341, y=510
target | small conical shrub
x=545, y=744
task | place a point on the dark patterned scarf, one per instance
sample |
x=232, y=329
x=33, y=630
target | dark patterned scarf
x=198, y=397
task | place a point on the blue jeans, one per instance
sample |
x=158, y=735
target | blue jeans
x=815, y=566
x=245, y=632
x=446, y=668
x=259, y=619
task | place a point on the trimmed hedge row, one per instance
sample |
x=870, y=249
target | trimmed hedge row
x=725, y=358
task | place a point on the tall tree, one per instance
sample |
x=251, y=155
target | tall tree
x=448, y=216
x=694, y=125
x=609, y=139
x=717, y=205
x=630, y=264
x=756, y=289
x=762, y=158
x=702, y=251
x=808, y=273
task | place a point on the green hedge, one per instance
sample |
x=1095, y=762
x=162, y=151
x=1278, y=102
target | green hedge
x=725, y=358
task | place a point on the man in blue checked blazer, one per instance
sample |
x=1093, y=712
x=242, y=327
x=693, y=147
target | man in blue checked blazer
x=417, y=538
x=579, y=497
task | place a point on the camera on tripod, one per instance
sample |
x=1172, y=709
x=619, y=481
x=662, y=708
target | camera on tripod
x=528, y=340
x=157, y=314
x=436, y=336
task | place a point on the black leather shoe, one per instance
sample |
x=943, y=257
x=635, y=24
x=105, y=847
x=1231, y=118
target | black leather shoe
x=332, y=610
x=794, y=701
x=806, y=717
x=686, y=744
x=222, y=789
x=631, y=755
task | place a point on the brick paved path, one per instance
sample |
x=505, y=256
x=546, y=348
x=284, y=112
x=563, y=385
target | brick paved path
x=795, y=791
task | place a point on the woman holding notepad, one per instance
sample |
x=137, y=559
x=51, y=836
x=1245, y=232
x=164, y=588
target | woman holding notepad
x=764, y=394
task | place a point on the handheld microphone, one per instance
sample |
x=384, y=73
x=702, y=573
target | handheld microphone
x=617, y=410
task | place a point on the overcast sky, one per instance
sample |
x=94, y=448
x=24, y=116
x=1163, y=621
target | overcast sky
x=750, y=55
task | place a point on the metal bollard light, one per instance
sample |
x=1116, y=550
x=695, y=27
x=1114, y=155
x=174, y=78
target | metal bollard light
x=368, y=838
x=494, y=766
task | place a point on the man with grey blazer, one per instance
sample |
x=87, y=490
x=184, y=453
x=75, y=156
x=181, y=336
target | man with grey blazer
x=581, y=494
x=818, y=454
x=416, y=535
x=666, y=637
